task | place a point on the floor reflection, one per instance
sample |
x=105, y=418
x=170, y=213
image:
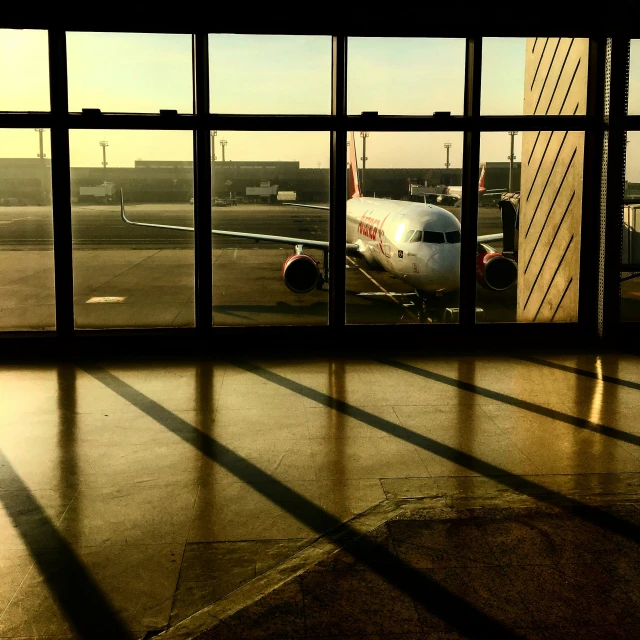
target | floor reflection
x=69, y=472
x=595, y=413
x=135, y=528
x=336, y=436
x=466, y=412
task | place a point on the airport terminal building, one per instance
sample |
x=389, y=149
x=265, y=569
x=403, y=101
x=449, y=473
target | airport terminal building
x=26, y=181
x=385, y=386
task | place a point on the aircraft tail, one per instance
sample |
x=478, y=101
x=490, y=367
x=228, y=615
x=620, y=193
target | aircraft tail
x=481, y=186
x=354, y=185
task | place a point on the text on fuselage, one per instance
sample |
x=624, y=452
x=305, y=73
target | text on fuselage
x=368, y=227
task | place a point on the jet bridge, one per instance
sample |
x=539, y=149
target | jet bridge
x=631, y=235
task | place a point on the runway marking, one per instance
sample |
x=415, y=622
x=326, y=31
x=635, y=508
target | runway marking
x=384, y=291
x=106, y=299
x=381, y=293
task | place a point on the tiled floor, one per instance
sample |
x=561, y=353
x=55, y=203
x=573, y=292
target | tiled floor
x=133, y=495
x=524, y=572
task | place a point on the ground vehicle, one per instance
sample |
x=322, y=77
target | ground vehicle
x=218, y=202
x=100, y=193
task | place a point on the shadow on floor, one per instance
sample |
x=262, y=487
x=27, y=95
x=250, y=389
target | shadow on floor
x=540, y=573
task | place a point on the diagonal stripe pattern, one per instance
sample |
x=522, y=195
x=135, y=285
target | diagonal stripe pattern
x=551, y=188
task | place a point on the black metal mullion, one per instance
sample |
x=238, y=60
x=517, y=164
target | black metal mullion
x=141, y=122
x=185, y=121
x=338, y=193
x=471, y=122
x=18, y=120
x=614, y=187
x=469, y=205
x=61, y=184
x=202, y=186
x=592, y=170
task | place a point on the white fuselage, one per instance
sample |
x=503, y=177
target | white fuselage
x=429, y=261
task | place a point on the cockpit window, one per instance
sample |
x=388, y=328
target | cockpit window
x=453, y=237
x=434, y=237
x=406, y=236
x=417, y=237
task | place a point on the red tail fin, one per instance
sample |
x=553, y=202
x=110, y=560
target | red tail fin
x=481, y=181
x=354, y=185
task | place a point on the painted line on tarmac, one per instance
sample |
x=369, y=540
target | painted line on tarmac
x=353, y=262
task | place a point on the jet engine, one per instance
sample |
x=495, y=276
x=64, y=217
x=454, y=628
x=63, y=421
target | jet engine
x=495, y=271
x=301, y=273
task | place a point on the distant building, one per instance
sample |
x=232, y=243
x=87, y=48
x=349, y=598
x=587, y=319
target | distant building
x=25, y=181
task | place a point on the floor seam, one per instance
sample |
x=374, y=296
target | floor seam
x=33, y=562
x=184, y=551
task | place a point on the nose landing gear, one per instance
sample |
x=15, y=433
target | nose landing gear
x=434, y=308
x=431, y=307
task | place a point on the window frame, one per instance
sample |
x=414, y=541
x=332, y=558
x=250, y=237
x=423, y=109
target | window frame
x=603, y=125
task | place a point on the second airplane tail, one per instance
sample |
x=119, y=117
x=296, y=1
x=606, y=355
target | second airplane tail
x=354, y=184
x=481, y=181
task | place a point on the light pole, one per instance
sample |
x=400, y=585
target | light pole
x=447, y=146
x=223, y=144
x=364, y=135
x=43, y=167
x=104, y=144
x=511, y=158
x=41, y=155
x=213, y=146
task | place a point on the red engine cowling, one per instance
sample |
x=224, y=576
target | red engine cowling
x=301, y=273
x=495, y=271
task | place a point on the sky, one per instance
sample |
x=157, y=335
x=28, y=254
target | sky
x=268, y=74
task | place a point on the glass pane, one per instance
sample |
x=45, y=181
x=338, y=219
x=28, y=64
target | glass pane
x=257, y=175
x=270, y=74
x=529, y=270
x=127, y=275
x=129, y=72
x=630, y=288
x=403, y=232
x=633, y=107
x=412, y=76
x=503, y=61
x=27, y=298
x=24, y=70
x=534, y=76
x=496, y=293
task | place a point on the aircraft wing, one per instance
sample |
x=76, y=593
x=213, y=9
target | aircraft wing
x=352, y=248
x=492, y=237
x=308, y=206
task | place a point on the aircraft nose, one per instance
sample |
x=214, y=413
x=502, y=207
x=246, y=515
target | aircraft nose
x=444, y=266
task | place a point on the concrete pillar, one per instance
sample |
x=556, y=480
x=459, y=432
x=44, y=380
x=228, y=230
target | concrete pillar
x=551, y=182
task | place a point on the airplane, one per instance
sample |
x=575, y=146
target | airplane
x=453, y=194
x=414, y=242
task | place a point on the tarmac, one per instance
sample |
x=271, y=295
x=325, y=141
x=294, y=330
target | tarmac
x=134, y=277
x=128, y=276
